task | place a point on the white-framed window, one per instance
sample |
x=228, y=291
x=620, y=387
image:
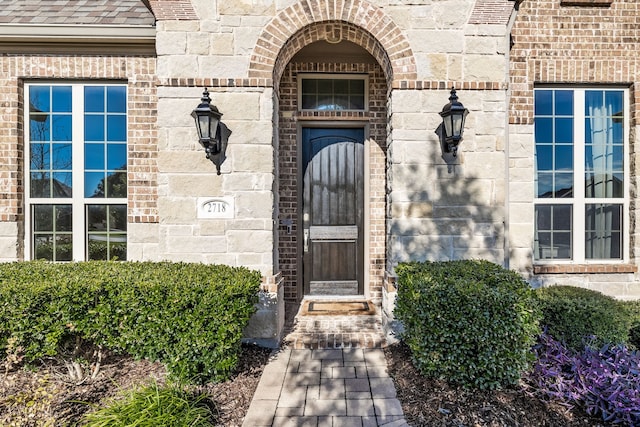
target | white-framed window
x=76, y=171
x=333, y=92
x=581, y=175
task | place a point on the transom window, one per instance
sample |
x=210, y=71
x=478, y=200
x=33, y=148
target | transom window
x=77, y=171
x=581, y=175
x=334, y=92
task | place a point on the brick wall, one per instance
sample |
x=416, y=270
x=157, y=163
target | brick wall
x=288, y=171
x=138, y=72
x=579, y=42
x=554, y=43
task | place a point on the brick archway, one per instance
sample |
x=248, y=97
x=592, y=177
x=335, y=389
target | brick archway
x=356, y=21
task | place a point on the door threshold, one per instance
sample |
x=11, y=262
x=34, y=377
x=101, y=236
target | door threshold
x=334, y=298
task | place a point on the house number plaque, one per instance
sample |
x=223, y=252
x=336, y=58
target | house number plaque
x=216, y=207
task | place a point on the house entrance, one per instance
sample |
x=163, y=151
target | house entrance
x=332, y=210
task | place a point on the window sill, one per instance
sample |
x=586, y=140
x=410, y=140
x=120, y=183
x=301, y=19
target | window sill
x=587, y=3
x=585, y=268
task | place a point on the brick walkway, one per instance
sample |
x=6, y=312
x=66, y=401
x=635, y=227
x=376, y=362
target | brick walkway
x=330, y=372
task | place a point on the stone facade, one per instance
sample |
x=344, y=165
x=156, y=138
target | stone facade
x=421, y=203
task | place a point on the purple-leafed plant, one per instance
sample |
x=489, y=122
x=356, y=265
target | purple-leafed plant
x=605, y=382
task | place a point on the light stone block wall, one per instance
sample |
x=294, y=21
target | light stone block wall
x=184, y=175
x=10, y=245
x=441, y=207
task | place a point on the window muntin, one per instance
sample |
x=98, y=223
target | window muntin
x=580, y=178
x=77, y=157
x=337, y=92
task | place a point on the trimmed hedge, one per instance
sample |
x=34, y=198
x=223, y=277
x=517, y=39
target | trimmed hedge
x=188, y=316
x=579, y=317
x=633, y=308
x=470, y=322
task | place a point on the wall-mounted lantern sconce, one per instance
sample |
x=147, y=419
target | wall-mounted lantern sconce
x=210, y=130
x=453, y=116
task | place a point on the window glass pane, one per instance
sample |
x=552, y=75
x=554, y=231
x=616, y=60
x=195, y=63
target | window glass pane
x=94, y=184
x=94, y=156
x=614, y=100
x=118, y=217
x=564, y=157
x=40, y=184
x=341, y=86
x=63, y=218
x=94, y=99
x=62, y=156
x=116, y=99
x=617, y=131
x=61, y=126
x=61, y=99
x=356, y=87
x=544, y=185
x=39, y=99
x=564, y=130
x=564, y=102
x=325, y=86
x=93, y=127
x=39, y=128
x=116, y=128
x=117, y=156
x=117, y=185
x=97, y=217
x=309, y=102
x=544, y=130
x=43, y=247
x=543, y=102
x=64, y=248
x=98, y=247
x=603, y=233
x=563, y=185
x=357, y=102
x=341, y=102
x=593, y=101
x=61, y=185
x=544, y=157
x=309, y=86
x=40, y=156
x=43, y=218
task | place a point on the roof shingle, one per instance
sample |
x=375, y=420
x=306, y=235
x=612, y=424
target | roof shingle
x=76, y=12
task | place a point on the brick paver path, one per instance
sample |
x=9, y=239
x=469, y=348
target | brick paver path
x=325, y=387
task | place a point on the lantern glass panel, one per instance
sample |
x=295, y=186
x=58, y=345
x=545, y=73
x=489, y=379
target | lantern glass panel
x=448, y=127
x=457, y=124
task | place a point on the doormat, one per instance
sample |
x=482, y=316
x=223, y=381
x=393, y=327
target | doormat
x=337, y=308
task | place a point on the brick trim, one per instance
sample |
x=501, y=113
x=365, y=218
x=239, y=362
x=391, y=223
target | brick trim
x=443, y=85
x=585, y=268
x=211, y=82
x=357, y=21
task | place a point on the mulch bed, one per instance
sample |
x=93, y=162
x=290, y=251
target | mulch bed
x=427, y=402
x=45, y=395
x=35, y=396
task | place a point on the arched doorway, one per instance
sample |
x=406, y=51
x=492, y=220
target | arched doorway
x=332, y=132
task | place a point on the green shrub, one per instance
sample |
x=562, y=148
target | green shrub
x=152, y=406
x=579, y=317
x=188, y=316
x=633, y=308
x=469, y=322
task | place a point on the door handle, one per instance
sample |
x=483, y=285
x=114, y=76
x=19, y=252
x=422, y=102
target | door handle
x=306, y=240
